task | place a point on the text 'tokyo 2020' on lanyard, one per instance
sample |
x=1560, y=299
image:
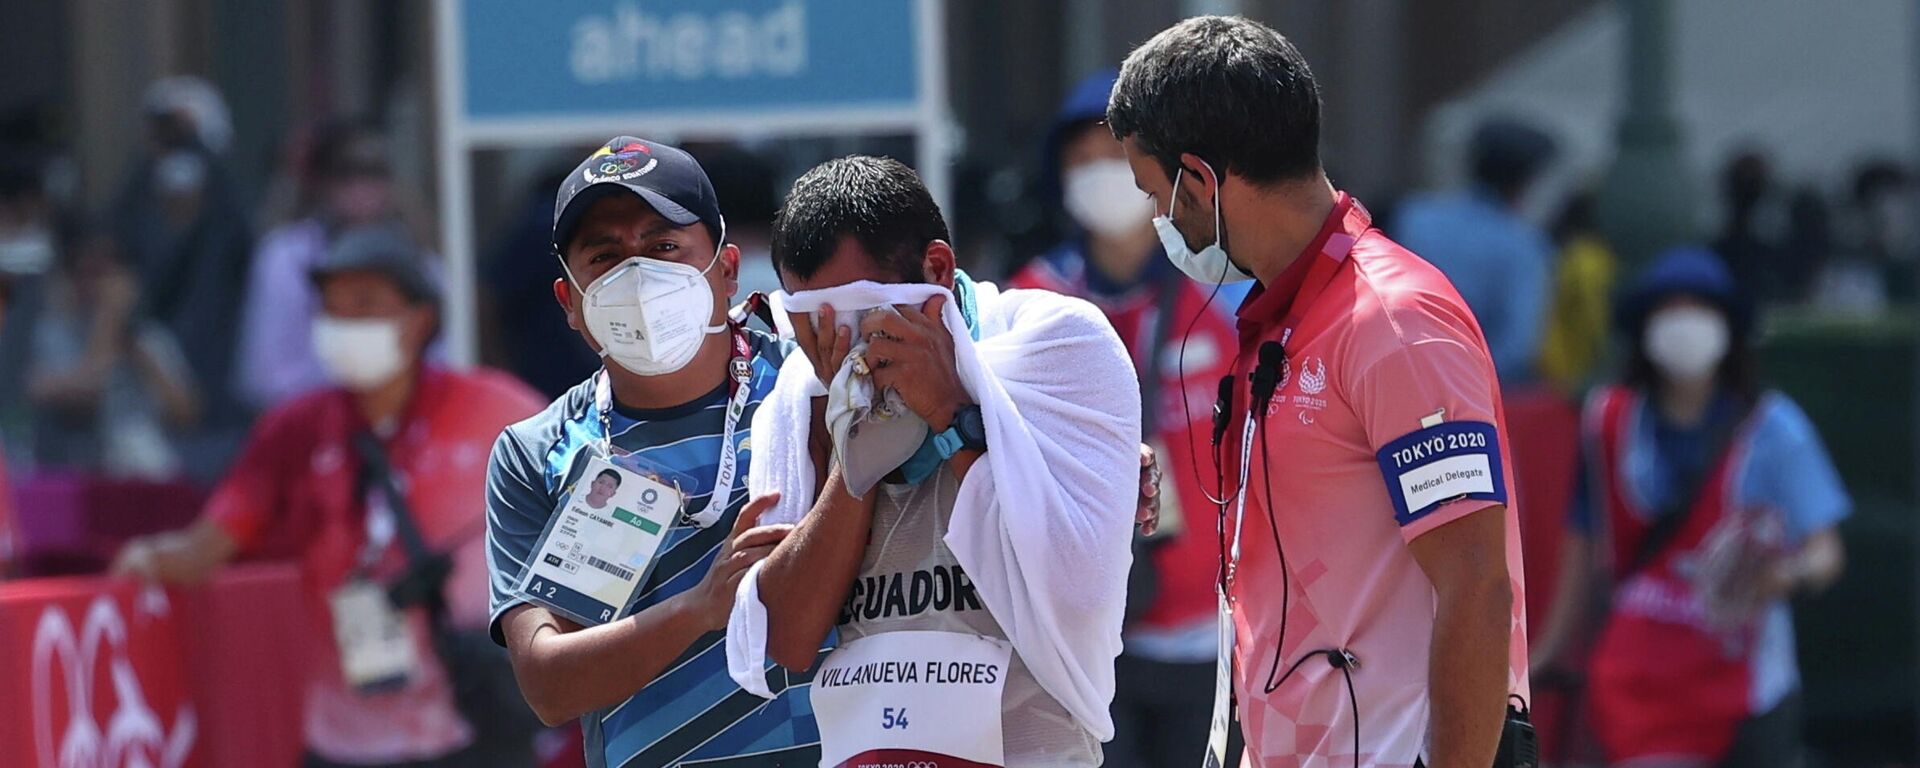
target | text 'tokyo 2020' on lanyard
x=740, y=379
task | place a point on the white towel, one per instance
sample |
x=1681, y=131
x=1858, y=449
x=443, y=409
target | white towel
x=1043, y=522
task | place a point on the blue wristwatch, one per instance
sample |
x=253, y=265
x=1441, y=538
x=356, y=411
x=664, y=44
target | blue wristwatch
x=968, y=432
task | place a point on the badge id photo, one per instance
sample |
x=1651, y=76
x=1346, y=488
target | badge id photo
x=599, y=546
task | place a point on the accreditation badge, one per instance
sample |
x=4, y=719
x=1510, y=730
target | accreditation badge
x=598, y=547
x=377, y=650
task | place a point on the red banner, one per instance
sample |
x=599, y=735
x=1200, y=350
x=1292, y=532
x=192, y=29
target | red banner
x=98, y=673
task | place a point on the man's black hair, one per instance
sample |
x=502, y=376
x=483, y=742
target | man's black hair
x=1230, y=90
x=609, y=473
x=877, y=201
x=1507, y=155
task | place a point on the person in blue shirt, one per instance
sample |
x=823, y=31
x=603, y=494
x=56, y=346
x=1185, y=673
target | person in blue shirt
x=647, y=278
x=1707, y=501
x=1500, y=263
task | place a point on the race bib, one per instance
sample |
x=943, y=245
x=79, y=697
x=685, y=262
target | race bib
x=596, y=551
x=921, y=699
x=1442, y=462
x=377, y=651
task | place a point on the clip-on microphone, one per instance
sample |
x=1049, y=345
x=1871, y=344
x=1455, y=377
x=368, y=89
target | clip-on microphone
x=1266, y=373
x=1222, y=406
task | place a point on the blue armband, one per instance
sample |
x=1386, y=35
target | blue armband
x=1445, y=462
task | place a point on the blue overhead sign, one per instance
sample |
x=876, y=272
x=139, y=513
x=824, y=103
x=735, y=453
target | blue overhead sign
x=584, y=59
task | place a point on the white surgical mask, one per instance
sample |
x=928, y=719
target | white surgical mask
x=1686, y=343
x=1211, y=264
x=358, y=354
x=1100, y=196
x=650, y=316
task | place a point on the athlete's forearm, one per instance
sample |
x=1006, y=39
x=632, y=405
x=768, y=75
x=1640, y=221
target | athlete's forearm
x=566, y=671
x=962, y=461
x=804, y=583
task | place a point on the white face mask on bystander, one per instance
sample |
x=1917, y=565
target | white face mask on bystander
x=359, y=354
x=1686, y=343
x=1102, y=199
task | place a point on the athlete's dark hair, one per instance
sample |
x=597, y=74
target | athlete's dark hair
x=877, y=201
x=609, y=473
x=1230, y=90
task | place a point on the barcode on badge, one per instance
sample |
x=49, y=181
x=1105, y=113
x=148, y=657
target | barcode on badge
x=623, y=573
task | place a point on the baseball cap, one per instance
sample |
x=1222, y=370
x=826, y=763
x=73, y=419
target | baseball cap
x=1686, y=270
x=667, y=178
x=1086, y=104
x=382, y=248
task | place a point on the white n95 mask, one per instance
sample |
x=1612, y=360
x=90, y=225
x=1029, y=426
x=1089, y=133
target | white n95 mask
x=873, y=433
x=650, y=315
x=1100, y=196
x=1686, y=343
x=358, y=354
x=1211, y=264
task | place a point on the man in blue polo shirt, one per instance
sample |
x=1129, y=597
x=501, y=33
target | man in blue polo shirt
x=647, y=276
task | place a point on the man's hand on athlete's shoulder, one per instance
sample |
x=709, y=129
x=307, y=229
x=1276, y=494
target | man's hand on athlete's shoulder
x=566, y=670
x=747, y=544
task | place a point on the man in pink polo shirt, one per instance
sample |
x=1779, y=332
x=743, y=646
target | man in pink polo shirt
x=1373, y=575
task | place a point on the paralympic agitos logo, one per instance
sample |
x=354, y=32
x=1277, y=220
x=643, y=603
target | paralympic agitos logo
x=81, y=721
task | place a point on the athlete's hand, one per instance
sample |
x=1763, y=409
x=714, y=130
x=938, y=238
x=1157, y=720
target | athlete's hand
x=822, y=341
x=746, y=544
x=1148, y=515
x=912, y=352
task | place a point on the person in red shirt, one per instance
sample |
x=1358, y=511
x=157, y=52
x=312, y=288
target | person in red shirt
x=308, y=485
x=1181, y=339
x=1373, y=569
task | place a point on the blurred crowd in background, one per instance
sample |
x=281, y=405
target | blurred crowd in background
x=143, y=334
